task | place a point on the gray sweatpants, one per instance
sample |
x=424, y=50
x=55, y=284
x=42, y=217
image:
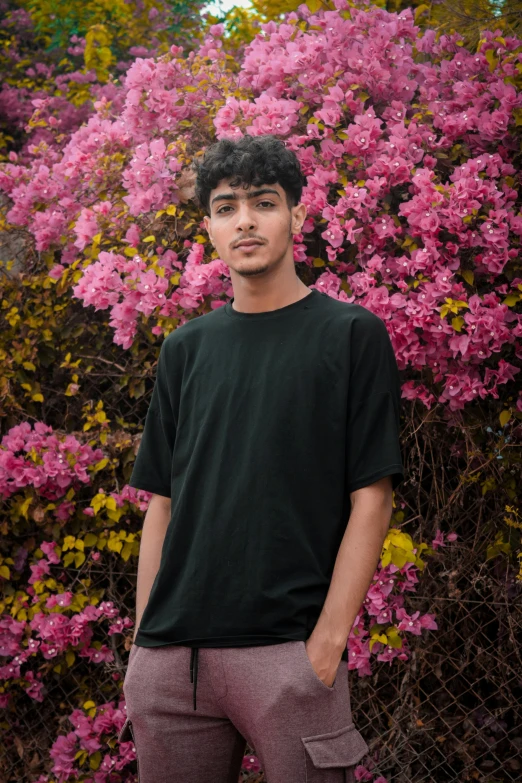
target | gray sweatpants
x=189, y=712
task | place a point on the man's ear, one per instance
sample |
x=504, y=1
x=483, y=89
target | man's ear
x=206, y=221
x=298, y=217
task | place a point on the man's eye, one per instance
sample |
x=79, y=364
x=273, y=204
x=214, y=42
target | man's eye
x=222, y=209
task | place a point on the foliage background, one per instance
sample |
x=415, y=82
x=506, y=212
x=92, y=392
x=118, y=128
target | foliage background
x=438, y=702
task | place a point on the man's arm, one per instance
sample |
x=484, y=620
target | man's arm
x=355, y=565
x=155, y=526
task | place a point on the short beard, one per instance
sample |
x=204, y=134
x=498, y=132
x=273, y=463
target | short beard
x=262, y=268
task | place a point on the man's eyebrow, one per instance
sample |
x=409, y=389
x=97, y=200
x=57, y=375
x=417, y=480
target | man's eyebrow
x=253, y=194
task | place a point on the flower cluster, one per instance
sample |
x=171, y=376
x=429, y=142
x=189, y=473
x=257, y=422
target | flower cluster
x=37, y=457
x=51, y=622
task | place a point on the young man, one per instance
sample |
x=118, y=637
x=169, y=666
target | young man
x=273, y=421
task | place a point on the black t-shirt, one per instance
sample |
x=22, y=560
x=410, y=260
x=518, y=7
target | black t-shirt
x=259, y=427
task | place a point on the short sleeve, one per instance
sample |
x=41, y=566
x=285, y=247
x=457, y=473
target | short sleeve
x=374, y=403
x=152, y=466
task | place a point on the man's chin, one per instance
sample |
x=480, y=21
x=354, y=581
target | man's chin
x=251, y=270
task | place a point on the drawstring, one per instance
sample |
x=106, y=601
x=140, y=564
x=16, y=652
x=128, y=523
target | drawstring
x=194, y=669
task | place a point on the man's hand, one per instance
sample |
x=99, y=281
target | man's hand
x=325, y=658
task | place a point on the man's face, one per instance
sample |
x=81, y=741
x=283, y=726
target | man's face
x=259, y=214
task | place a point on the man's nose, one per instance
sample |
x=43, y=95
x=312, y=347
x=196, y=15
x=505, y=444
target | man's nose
x=245, y=218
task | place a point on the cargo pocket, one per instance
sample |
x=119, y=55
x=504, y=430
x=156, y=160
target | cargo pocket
x=338, y=751
x=126, y=735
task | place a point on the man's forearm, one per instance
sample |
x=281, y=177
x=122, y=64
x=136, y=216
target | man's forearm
x=152, y=537
x=355, y=565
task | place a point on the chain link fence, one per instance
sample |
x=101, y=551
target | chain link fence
x=451, y=713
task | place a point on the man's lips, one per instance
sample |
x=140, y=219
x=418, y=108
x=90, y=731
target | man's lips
x=249, y=244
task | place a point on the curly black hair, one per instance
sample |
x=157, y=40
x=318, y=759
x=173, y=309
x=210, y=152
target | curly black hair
x=252, y=160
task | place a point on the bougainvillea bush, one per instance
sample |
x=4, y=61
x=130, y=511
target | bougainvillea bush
x=57, y=59
x=411, y=148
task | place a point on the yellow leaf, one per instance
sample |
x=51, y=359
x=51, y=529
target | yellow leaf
x=79, y=558
x=399, y=558
x=394, y=640
x=171, y=210
x=504, y=417
x=130, y=251
x=68, y=542
x=90, y=539
x=376, y=638
x=4, y=571
x=201, y=239
x=159, y=213
x=492, y=60
x=28, y=366
x=88, y=705
x=468, y=276
x=150, y=238
x=420, y=10
x=111, y=503
x=511, y=300
x=457, y=323
x=97, y=239
x=95, y=760
x=68, y=559
x=400, y=539
x=70, y=658
x=98, y=502
x=37, y=397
